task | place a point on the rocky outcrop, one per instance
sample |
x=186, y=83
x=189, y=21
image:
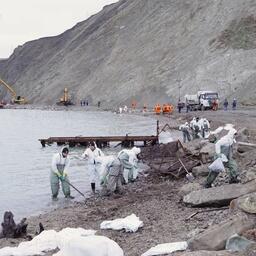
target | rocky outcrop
x=215, y=237
x=220, y=196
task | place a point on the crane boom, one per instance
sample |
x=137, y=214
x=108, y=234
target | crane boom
x=9, y=88
x=15, y=98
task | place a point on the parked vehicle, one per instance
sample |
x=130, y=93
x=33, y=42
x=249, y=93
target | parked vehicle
x=202, y=100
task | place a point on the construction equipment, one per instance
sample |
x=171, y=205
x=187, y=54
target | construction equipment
x=167, y=108
x=157, y=109
x=66, y=99
x=202, y=100
x=15, y=99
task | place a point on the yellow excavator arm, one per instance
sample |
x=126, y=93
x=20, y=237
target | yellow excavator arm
x=15, y=98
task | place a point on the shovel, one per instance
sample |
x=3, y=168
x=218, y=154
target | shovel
x=76, y=189
x=189, y=175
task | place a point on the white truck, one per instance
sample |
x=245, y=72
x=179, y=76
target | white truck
x=202, y=100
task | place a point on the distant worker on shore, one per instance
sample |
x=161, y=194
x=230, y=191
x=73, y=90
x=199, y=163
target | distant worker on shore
x=129, y=162
x=92, y=153
x=180, y=106
x=215, y=105
x=224, y=151
x=234, y=103
x=59, y=169
x=225, y=104
x=111, y=175
x=185, y=132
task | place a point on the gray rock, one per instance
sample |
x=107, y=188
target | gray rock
x=201, y=170
x=188, y=188
x=219, y=195
x=238, y=243
x=215, y=237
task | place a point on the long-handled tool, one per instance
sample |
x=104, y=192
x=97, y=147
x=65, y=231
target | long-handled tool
x=76, y=189
x=189, y=175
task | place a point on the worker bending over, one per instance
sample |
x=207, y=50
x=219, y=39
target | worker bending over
x=129, y=162
x=225, y=146
x=59, y=167
x=92, y=153
x=111, y=175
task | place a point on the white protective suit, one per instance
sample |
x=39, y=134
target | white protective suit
x=59, y=168
x=58, y=160
x=225, y=141
x=129, y=161
x=205, y=126
x=196, y=127
x=185, y=131
x=94, y=164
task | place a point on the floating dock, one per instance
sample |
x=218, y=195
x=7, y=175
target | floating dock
x=103, y=141
x=124, y=141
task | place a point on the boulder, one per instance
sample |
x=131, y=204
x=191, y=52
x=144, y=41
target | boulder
x=215, y=237
x=201, y=170
x=219, y=196
x=188, y=188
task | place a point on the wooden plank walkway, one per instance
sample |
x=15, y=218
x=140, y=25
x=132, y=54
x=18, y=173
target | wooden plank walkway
x=101, y=141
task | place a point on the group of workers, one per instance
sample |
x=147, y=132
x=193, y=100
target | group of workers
x=110, y=171
x=198, y=128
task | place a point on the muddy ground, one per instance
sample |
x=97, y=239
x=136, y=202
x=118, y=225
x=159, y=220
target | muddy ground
x=154, y=199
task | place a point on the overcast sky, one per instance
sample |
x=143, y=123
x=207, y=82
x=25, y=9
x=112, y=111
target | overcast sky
x=25, y=20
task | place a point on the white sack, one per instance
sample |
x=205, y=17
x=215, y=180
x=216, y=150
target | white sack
x=131, y=224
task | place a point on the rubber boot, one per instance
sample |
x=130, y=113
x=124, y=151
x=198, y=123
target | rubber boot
x=210, y=179
x=93, y=187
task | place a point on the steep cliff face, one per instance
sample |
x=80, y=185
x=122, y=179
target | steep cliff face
x=143, y=50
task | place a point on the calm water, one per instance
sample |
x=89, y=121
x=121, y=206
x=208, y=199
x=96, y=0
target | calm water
x=25, y=165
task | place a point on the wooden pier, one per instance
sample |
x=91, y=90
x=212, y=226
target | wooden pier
x=124, y=141
x=103, y=141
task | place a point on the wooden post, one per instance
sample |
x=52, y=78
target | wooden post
x=157, y=128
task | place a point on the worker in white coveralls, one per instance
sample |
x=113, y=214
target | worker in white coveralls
x=196, y=127
x=224, y=146
x=111, y=175
x=59, y=173
x=205, y=127
x=92, y=153
x=185, y=131
x=129, y=162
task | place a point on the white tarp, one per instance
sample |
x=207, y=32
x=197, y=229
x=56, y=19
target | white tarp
x=90, y=246
x=131, y=224
x=77, y=240
x=166, y=248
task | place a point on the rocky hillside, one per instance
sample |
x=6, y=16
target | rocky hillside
x=143, y=50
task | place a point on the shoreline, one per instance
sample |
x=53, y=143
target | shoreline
x=155, y=200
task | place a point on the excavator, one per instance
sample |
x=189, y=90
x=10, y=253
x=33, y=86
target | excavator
x=65, y=99
x=15, y=99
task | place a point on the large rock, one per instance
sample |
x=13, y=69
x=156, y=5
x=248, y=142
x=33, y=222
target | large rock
x=188, y=188
x=201, y=170
x=219, y=195
x=215, y=237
